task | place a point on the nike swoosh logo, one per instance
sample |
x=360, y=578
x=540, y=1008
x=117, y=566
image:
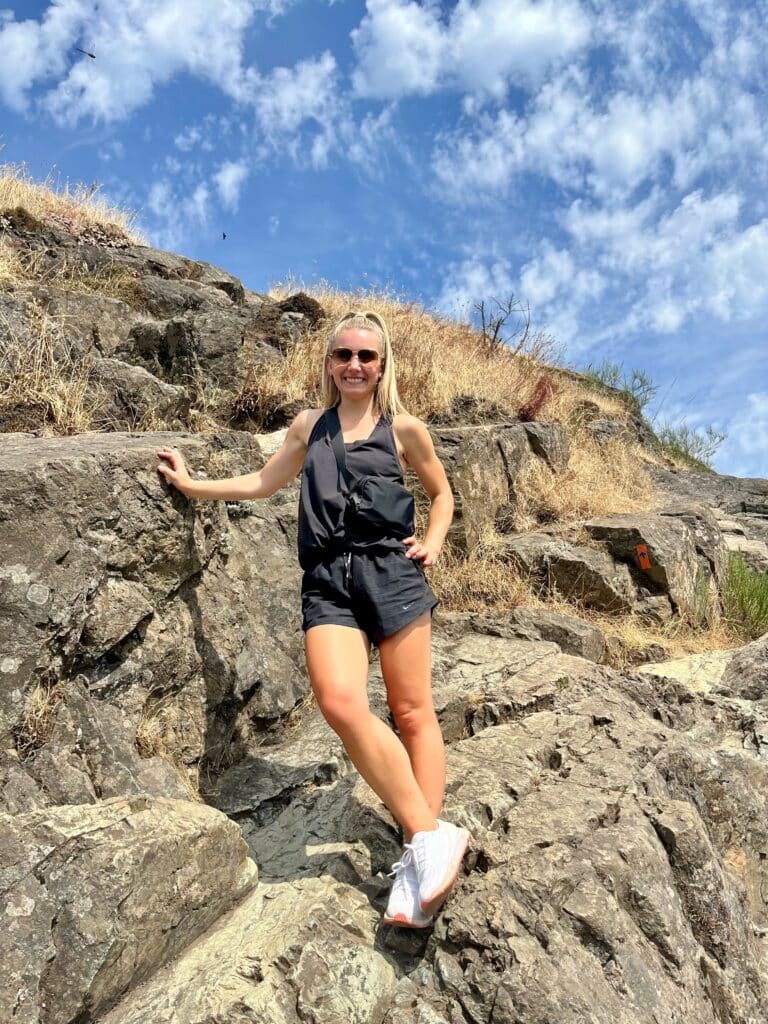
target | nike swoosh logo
x=407, y=606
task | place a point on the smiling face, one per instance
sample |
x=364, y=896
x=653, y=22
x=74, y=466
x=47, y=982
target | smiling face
x=354, y=378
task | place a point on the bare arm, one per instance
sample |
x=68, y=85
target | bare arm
x=420, y=455
x=278, y=471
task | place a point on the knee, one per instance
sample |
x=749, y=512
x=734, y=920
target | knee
x=341, y=709
x=412, y=719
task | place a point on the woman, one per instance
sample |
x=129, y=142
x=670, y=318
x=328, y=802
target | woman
x=362, y=586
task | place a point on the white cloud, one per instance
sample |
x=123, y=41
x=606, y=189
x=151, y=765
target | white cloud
x=400, y=48
x=745, y=450
x=492, y=42
x=479, y=164
x=302, y=112
x=188, y=138
x=229, y=180
x=176, y=208
x=35, y=50
x=695, y=259
x=554, y=271
x=470, y=281
x=405, y=48
x=139, y=44
x=289, y=98
x=604, y=145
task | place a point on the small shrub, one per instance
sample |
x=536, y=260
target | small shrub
x=689, y=446
x=636, y=389
x=543, y=391
x=745, y=598
x=702, y=612
x=504, y=323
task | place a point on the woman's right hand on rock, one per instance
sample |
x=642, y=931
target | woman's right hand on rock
x=174, y=469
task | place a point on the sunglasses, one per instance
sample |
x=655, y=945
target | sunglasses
x=345, y=355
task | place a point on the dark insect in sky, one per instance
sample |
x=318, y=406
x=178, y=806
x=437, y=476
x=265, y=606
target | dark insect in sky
x=87, y=54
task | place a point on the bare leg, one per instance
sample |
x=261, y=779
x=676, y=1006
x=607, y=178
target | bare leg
x=337, y=660
x=406, y=663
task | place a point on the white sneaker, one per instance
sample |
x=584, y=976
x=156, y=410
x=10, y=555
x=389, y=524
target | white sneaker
x=403, y=908
x=438, y=855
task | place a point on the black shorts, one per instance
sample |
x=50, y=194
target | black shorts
x=377, y=591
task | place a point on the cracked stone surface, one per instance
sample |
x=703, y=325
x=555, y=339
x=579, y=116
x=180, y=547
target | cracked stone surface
x=617, y=871
x=150, y=646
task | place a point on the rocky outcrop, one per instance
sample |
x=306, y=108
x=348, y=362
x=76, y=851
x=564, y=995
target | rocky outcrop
x=617, y=868
x=112, y=577
x=484, y=464
x=571, y=634
x=132, y=397
x=156, y=330
x=670, y=549
x=157, y=738
x=95, y=898
x=740, y=507
x=619, y=841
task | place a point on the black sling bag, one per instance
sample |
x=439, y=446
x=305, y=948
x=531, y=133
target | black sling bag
x=384, y=506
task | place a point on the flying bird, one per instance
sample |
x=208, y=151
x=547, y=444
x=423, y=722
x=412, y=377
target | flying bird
x=87, y=54
x=223, y=236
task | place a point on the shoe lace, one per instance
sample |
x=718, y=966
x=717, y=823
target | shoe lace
x=405, y=861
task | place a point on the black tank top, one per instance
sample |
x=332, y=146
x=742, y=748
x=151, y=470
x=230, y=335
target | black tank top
x=322, y=526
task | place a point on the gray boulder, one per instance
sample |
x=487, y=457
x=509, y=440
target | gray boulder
x=91, y=755
x=132, y=397
x=746, y=674
x=484, y=463
x=478, y=477
x=550, y=442
x=93, y=324
x=215, y=345
x=615, y=874
x=571, y=634
x=576, y=572
x=97, y=897
x=122, y=562
x=671, y=550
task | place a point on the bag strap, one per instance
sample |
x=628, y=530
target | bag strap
x=337, y=443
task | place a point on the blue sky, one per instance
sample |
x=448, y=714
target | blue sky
x=604, y=161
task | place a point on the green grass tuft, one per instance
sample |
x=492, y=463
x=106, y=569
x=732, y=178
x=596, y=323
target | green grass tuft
x=745, y=598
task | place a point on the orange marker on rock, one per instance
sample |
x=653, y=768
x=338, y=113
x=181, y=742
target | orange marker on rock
x=642, y=556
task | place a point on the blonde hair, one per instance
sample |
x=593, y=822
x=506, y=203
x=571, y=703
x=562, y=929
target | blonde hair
x=386, y=399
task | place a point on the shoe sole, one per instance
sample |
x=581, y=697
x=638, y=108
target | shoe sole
x=433, y=904
x=401, y=921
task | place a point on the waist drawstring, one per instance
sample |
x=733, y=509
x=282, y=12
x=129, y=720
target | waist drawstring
x=347, y=568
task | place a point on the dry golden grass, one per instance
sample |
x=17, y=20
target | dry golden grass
x=20, y=266
x=156, y=736
x=479, y=582
x=77, y=209
x=113, y=282
x=42, y=386
x=439, y=363
x=601, y=479
x=438, y=360
x=633, y=635
x=485, y=582
x=12, y=268
x=39, y=716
